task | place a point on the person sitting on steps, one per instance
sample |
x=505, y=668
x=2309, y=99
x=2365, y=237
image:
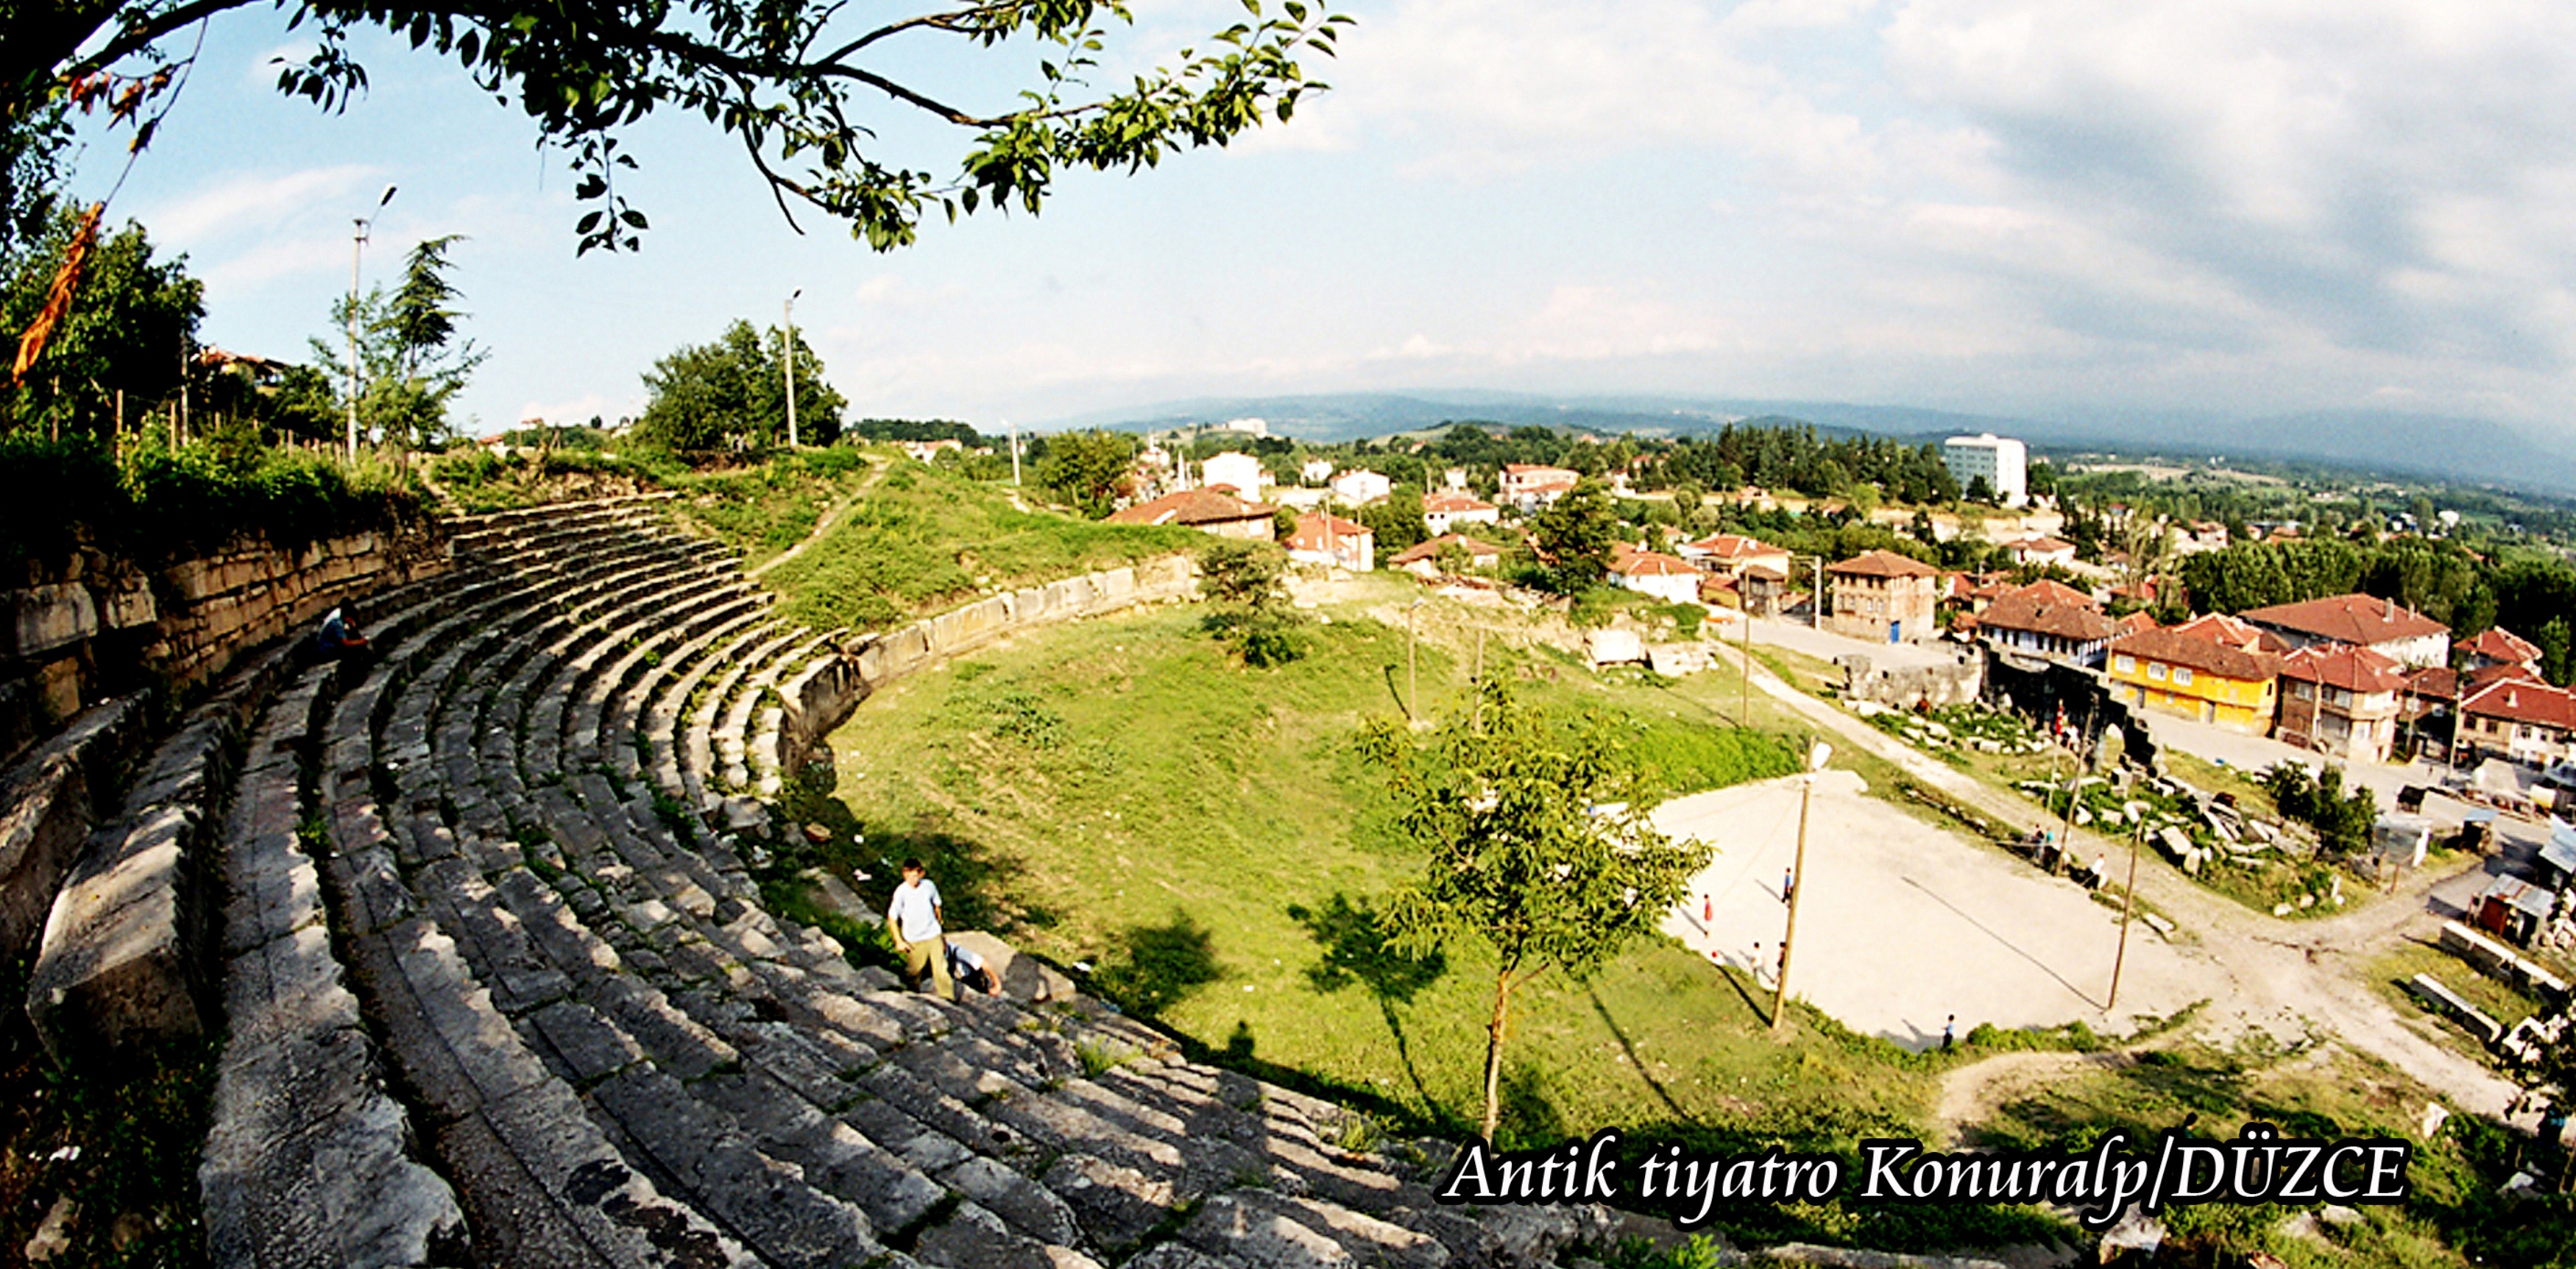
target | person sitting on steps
x=340, y=636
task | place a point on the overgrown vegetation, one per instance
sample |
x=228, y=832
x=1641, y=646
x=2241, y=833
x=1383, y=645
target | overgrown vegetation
x=115, y=1146
x=152, y=503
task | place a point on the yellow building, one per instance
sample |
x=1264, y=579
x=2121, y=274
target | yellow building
x=2177, y=673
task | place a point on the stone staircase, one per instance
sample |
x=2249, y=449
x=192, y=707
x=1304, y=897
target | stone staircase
x=501, y=991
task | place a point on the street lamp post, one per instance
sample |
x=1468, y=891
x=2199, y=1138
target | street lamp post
x=357, y=247
x=787, y=359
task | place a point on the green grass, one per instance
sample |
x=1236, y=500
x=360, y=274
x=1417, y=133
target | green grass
x=1119, y=793
x=925, y=539
x=2387, y=974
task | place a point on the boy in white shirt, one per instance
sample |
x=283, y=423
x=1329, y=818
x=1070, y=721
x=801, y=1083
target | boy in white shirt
x=914, y=920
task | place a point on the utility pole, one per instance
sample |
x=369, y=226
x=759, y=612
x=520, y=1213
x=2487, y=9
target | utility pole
x=357, y=248
x=1015, y=452
x=1744, y=706
x=1816, y=758
x=1412, y=678
x=2128, y=901
x=787, y=362
x=1818, y=606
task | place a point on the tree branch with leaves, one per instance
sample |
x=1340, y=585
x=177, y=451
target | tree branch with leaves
x=807, y=87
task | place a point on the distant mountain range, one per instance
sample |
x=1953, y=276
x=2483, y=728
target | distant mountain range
x=2472, y=451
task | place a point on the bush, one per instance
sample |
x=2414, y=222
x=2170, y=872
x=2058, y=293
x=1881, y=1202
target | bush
x=160, y=504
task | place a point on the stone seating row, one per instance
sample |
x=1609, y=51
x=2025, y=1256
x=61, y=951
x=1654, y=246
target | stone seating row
x=620, y=1057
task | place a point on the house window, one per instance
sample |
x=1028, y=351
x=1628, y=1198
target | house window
x=2127, y=665
x=2182, y=675
x=2156, y=671
x=2302, y=691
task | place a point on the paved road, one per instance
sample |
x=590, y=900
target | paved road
x=2287, y=978
x=1798, y=636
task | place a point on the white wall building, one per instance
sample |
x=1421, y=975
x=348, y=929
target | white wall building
x=1999, y=460
x=1360, y=487
x=1242, y=471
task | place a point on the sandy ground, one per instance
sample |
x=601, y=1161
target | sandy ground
x=1904, y=925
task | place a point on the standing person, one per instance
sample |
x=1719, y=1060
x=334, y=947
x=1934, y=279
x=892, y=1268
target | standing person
x=914, y=918
x=1949, y=1029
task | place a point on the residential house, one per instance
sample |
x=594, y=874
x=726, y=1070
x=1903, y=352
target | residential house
x=1654, y=573
x=925, y=451
x=2177, y=672
x=1765, y=590
x=1732, y=553
x=2496, y=645
x=1316, y=471
x=1528, y=486
x=1883, y=597
x=1208, y=510
x=1423, y=558
x=2362, y=621
x=2521, y=720
x=1359, y=487
x=2199, y=536
x=2041, y=550
x=2339, y=700
x=1327, y=539
x=1443, y=510
x=2048, y=620
x=1233, y=470
x=2226, y=631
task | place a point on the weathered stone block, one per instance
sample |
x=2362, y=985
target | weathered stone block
x=43, y=618
x=115, y=966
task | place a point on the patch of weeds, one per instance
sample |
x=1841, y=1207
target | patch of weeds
x=675, y=817
x=1099, y=1058
x=1357, y=1133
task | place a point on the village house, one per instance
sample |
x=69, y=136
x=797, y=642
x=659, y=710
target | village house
x=2496, y=645
x=2362, y=621
x=924, y=451
x=1764, y=591
x=2050, y=620
x=2520, y=720
x=2177, y=672
x=2041, y=550
x=1327, y=539
x=1233, y=470
x=1654, y=573
x=1528, y=486
x=1730, y=554
x=1359, y=486
x=1883, y=597
x=1208, y=510
x=1316, y=471
x=1422, y=559
x=1445, y=509
x=2340, y=701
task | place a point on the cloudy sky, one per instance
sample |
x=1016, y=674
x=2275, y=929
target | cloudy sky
x=2010, y=206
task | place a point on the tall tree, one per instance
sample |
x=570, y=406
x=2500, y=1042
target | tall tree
x=1525, y=851
x=1577, y=533
x=1088, y=469
x=129, y=331
x=732, y=395
x=806, y=87
x=410, y=361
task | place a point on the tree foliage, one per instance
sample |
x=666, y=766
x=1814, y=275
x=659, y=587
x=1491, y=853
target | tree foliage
x=2343, y=821
x=131, y=330
x=731, y=395
x=410, y=361
x=1251, y=616
x=1538, y=845
x=1088, y=469
x=1576, y=533
x=805, y=87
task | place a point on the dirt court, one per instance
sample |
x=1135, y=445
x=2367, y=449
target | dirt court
x=1903, y=924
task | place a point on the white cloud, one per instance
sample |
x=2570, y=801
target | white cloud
x=247, y=202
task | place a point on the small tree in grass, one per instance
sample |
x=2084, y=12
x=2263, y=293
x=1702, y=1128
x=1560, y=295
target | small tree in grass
x=1252, y=615
x=1537, y=847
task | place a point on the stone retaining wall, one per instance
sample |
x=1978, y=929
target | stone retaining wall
x=76, y=631
x=823, y=696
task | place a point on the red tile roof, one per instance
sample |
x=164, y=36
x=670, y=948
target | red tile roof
x=1883, y=564
x=1452, y=501
x=2037, y=609
x=2356, y=619
x=2219, y=628
x=2523, y=701
x=2482, y=677
x=1651, y=564
x=2337, y=665
x=1191, y=507
x=2496, y=643
x=2435, y=682
x=1735, y=546
x=1312, y=535
x=1431, y=550
x=2173, y=647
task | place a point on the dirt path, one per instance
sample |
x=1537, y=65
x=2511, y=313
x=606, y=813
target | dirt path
x=2291, y=979
x=1973, y=1093
x=825, y=522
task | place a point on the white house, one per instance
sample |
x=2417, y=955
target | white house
x=1654, y=573
x=1325, y=538
x=1316, y=471
x=1241, y=471
x=1360, y=486
x=1530, y=486
x=1446, y=509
